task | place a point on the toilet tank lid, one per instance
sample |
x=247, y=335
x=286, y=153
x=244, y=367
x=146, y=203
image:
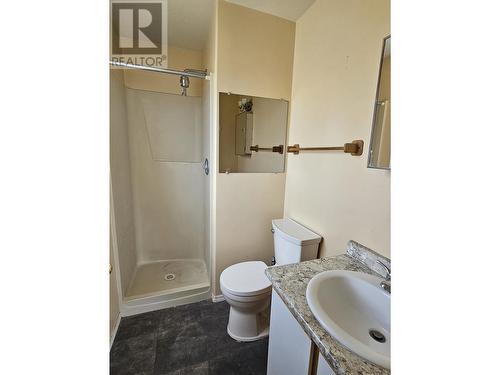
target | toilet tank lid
x=292, y=231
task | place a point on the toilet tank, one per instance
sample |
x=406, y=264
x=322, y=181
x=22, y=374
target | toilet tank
x=293, y=242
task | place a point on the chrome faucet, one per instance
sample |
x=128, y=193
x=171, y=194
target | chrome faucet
x=386, y=284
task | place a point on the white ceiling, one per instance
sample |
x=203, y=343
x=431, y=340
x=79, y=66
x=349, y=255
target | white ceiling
x=289, y=9
x=188, y=23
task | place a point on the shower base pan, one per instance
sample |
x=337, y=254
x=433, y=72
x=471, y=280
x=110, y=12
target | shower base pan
x=165, y=283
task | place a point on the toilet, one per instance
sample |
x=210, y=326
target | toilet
x=247, y=289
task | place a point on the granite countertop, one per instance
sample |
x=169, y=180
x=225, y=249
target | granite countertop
x=290, y=282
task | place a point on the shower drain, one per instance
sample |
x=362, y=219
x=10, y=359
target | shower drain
x=377, y=335
x=169, y=276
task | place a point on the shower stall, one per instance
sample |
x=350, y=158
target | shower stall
x=160, y=189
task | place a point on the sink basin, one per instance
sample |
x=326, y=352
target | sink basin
x=355, y=310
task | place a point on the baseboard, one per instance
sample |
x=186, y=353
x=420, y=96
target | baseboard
x=218, y=298
x=115, y=330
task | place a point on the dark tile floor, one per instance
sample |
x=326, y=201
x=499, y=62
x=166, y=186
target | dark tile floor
x=188, y=339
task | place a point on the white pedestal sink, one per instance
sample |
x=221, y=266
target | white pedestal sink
x=355, y=310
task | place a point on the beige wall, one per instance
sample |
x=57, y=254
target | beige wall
x=337, y=54
x=246, y=204
x=255, y=52
x=210, y=50
x=254, y=57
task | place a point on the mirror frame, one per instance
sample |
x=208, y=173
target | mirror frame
x=375, y=108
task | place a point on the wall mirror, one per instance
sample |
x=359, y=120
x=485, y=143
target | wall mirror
x=252, y=133
x=380, y=143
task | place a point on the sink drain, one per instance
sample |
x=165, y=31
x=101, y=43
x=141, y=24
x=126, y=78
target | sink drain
x=377, y=335
x=169, y=276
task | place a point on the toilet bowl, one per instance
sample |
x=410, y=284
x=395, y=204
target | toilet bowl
x=246, y=289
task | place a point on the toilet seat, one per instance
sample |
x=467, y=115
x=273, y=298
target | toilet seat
x=245, y=280
x=243, y=299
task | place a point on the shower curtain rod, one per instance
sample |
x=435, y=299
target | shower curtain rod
x=188, y=73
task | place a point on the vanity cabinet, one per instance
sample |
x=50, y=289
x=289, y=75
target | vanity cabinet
x=291, y=351
x=289, y=347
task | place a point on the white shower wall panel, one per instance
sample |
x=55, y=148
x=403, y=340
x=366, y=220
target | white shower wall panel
x=165, y=133
x=121, y=180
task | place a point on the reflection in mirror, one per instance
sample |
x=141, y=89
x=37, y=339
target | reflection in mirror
x=252, y=133
x=380, y=144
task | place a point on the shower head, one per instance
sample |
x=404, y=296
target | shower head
x=184, y=81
